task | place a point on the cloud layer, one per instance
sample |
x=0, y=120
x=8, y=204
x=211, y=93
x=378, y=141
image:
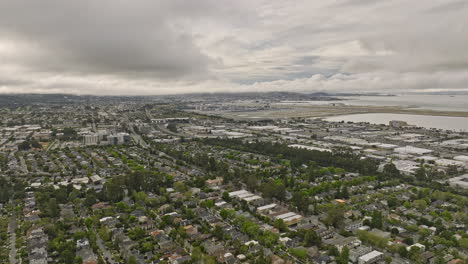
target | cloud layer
x=173, y=46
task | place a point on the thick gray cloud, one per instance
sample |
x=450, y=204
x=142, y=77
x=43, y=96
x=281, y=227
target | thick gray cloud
x=94, y=37
x=176, y=46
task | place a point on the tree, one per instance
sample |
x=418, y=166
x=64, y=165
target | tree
x=408, y=241
x=207, y=204
x=180, y=186
x=90, y=199
x=101, y=260
x=301, y=201
x=53, y=209
x=78, y=260
x=298, y=253
x=172, y=127
x=218, y=232
x=280, y=225
x=370, y=238
x=402, y=251
x=35, y=144
x=67, y=255
x=414, y=253
x=334, y=214
x=345, y=192
x=421, y=174
x=104, y=233
x=407, y=204
x=394, y=231
x=136, y=233
x=140, y=197
x=393, y=202
x=299, y=157
x=88, y=222
x=196, y=254
x=208, y=260
x=377, y=220
x=390, y=170
x=344, y=256
x=367, y=222
x=310, y=238
x=69, y=132
x=463, y=243
x=226, y=197
x=6, y=191
x=132, y=260
x=420, y=204
x=25, y=145
x=226, y=214
x=113, y=191
x=146, y=247
x=333, y=251
x=274, y=189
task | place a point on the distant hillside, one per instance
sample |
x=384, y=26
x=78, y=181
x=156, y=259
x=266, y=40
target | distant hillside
x=20, y=99
x=15, y=100
x=274, y=96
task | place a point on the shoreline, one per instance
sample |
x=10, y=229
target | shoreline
x=278, y=111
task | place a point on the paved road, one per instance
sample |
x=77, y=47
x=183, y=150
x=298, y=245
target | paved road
x=138, y=139
x=163, y=129
x=11, y=230
x=106, y=254
x=53, y=145
x=24, y=167
x=231, y=224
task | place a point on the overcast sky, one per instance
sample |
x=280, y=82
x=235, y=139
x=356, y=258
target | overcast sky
x=111, y=47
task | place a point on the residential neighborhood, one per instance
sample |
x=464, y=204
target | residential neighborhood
x=129, y=181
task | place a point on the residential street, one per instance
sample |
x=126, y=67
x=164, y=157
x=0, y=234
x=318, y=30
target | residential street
x=106, y=254
x=11, y=231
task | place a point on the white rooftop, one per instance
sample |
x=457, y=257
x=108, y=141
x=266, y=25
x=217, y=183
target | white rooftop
x=449, y=162
x=291, y=218
x=387, y=146
x=236, y=193
x=461, y=158
x=220, y=203
x=413, y=150
x=266, y=207
x=370, y=256
x=244, y=195
x=459, y=182
x=252, y=198
x=427, y=158
x=308, y=147
x=36, y=184
x=286, y=215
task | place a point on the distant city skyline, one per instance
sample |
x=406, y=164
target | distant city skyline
x=145, y=47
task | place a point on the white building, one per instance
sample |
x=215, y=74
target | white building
x=371, y=257
x=449, y=162
x=461, y=158
x=406, y=167
x=308, y=147
x=427, y=158
x=386, y=146
x=397, y=123
x=267, y=207
x=420, y=246
x=412, y=150
x=92, y=139
x=459, y=182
